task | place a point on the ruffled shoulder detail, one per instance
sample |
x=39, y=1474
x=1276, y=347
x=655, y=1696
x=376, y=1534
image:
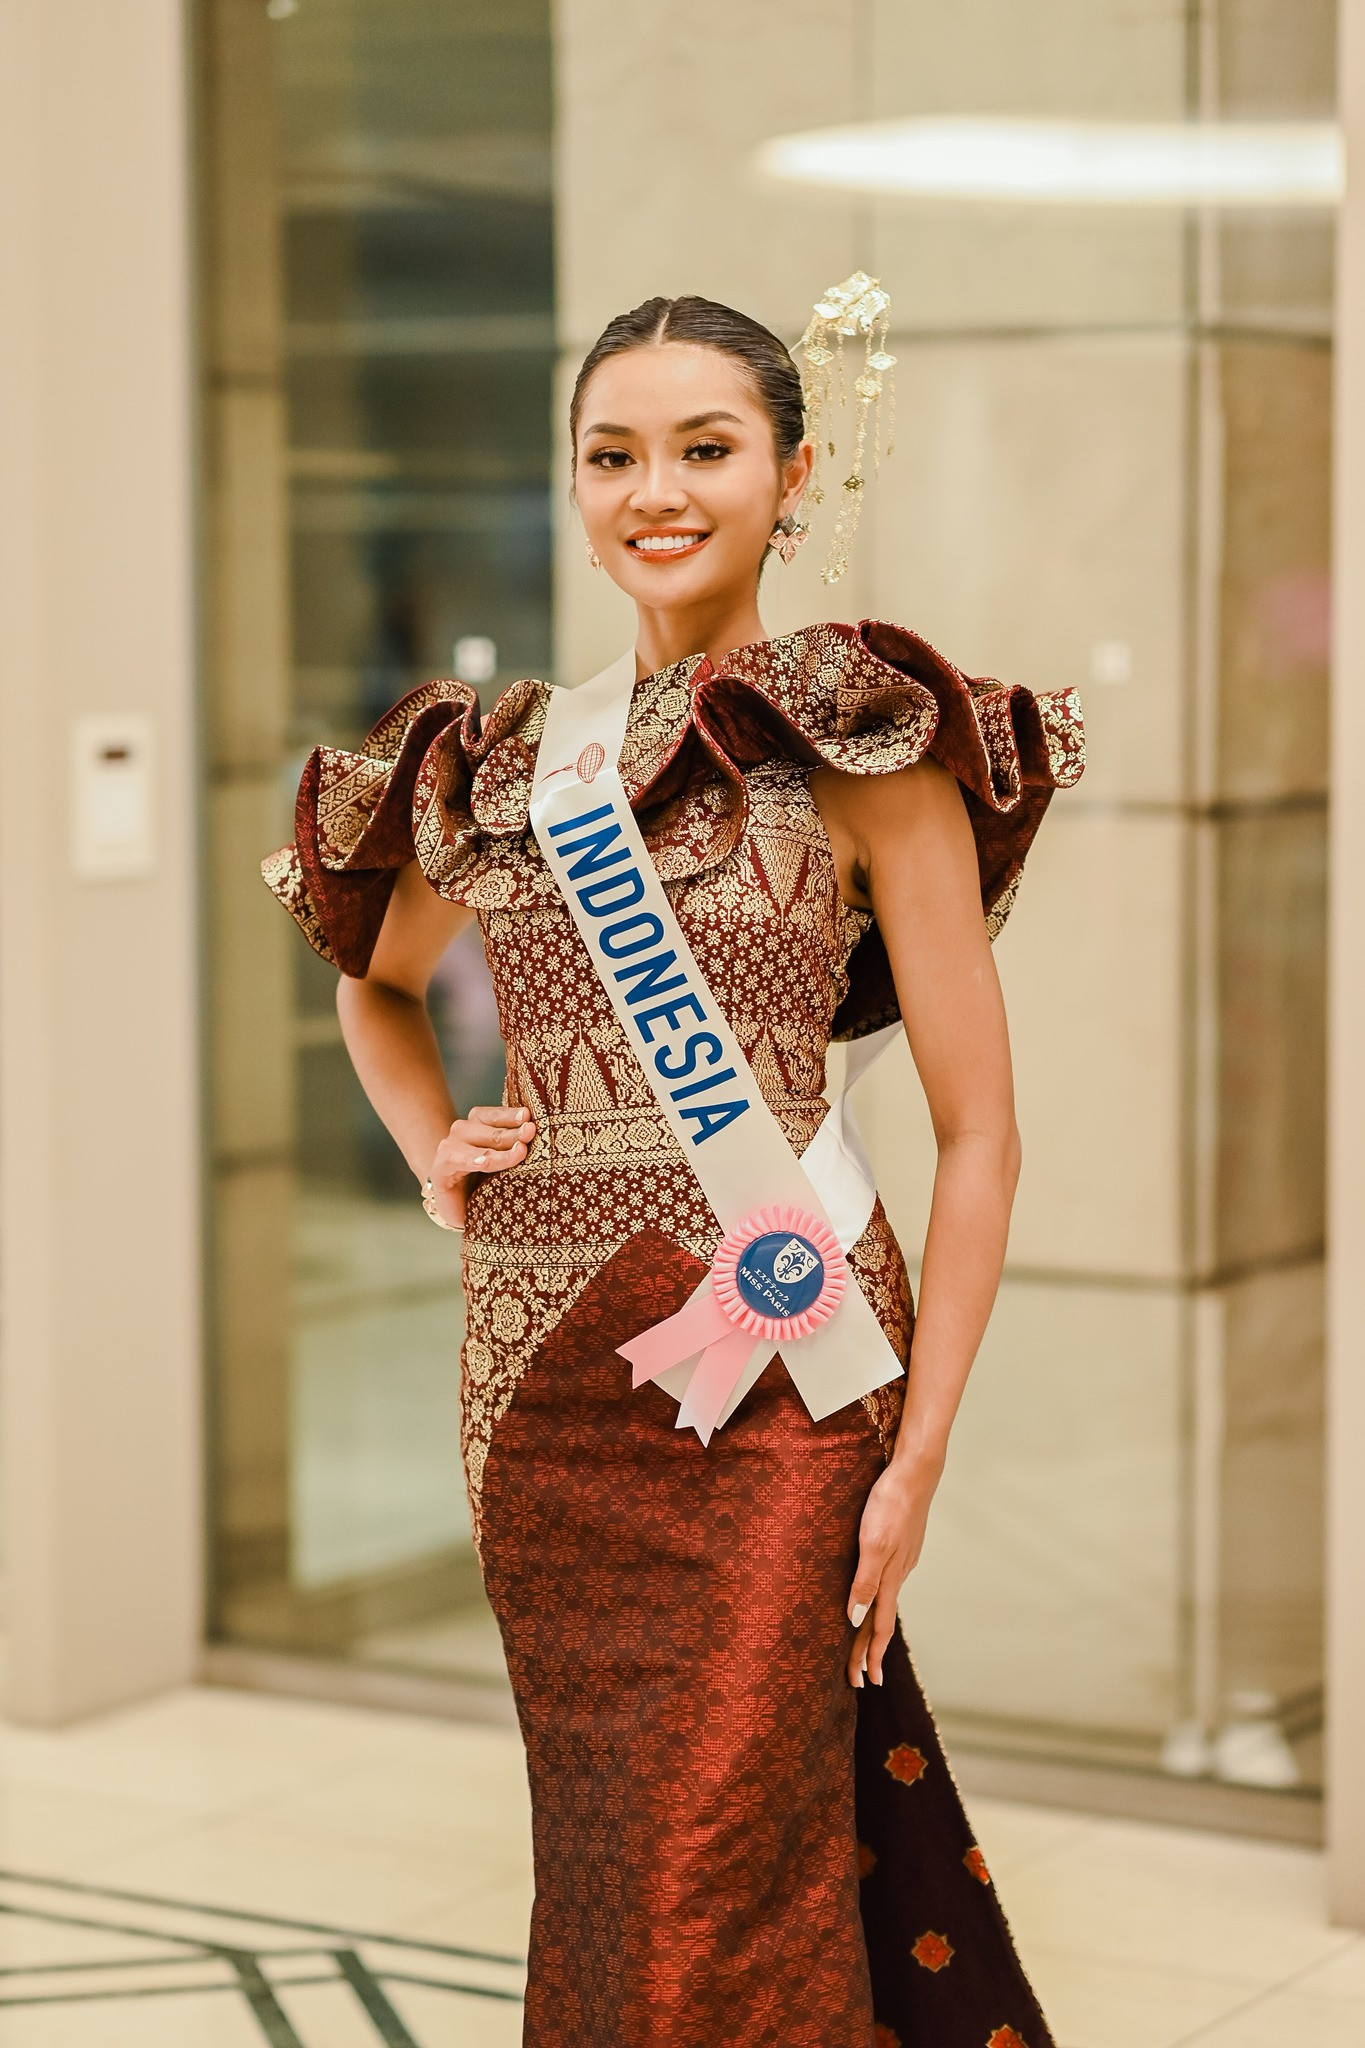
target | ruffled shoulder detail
x=407, y=794
x=875, y=698
x=436, y=783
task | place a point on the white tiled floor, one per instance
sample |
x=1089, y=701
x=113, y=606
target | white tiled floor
x=380, y=1826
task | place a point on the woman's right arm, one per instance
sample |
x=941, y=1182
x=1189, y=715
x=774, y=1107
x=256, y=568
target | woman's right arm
x=394, y=1051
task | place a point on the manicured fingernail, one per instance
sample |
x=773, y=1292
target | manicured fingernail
x=877, y=1679
x=859, y=1614
x=481, y=1159
x=858, y=1683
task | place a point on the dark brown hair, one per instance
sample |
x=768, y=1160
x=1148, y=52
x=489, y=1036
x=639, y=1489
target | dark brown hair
x=707, y=324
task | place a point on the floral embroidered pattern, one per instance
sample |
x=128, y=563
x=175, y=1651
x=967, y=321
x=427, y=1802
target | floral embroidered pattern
x=976, y=1863
x=932, y=1951
x=1006, y=2037
x=284, y=877
x=906, y=1765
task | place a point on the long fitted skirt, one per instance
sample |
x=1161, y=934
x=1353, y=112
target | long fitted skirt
x=731, y=1845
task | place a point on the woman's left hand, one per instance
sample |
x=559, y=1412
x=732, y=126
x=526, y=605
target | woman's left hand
x=890, y=1539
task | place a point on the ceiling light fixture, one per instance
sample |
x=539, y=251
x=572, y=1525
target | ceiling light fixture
x=1071, y=163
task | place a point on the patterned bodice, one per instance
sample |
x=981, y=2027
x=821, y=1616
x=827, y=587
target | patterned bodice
x=773, y=938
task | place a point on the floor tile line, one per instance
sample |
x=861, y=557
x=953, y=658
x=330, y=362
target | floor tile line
x=109, y=1963
x=1258, y=1998
x=342, y=1934
x=269, y=2015
x=442, y=1984
x=55, y=1919
x=133, y=1994
x=387, y=2022
x=313, y=1982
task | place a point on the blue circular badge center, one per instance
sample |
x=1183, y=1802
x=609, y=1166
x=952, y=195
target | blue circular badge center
x=780, y=1275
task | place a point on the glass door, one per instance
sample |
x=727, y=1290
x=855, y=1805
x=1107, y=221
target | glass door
x=378, y=333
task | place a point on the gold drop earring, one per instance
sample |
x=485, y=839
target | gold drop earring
x=786, y=537
x=592, y=554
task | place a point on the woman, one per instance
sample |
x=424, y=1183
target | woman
x=690, y=1627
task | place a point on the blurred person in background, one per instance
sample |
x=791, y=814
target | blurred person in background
x=745, y=1827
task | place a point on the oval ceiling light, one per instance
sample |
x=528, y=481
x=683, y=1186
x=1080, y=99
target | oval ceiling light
x=1071, y=163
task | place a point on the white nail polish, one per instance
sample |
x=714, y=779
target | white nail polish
x=859, y=1614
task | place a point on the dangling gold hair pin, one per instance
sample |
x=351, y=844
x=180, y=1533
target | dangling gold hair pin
x=857, y=306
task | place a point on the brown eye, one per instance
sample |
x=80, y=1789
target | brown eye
x=609, y=458
x=708, y=451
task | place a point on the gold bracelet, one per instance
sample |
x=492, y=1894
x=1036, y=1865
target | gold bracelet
x=429, y=1204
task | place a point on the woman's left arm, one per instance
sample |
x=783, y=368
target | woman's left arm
x=904, y=848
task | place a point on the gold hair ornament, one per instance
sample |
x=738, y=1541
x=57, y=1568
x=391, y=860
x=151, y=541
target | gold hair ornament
x=857, y=306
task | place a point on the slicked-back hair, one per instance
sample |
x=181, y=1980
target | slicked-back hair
x=705, y=323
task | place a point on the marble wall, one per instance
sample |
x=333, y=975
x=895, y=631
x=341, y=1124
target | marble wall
x=1113, y=435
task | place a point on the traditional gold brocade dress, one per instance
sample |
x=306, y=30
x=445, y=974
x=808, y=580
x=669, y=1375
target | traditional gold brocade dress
x=730, y=1844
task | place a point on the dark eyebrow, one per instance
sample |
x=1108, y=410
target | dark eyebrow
x=701, y=419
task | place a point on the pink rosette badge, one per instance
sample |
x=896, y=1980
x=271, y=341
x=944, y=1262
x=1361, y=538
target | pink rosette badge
x=775, y=1277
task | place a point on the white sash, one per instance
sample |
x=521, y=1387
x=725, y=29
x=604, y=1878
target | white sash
x=691, y=1058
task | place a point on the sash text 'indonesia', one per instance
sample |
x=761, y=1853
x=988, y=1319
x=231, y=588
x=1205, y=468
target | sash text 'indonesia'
x=664, y=999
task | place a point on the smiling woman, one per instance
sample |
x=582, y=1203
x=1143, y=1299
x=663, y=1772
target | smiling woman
x=695, y=443
x=690, y=875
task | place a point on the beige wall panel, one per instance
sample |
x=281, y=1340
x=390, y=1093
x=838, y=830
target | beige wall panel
x=1032, y=509
x=1272, y=971
x=99, y=1169
x=1276, y=593
x=1090, y=963
x=1050, y=1583
x=1275, y=59
x=1272, y=1517
x=1095, y=59
x=994, y=267
x=1277, y=272
x=660, y=109
x=971, y=266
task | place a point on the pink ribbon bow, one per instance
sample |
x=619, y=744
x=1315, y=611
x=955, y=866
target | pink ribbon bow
x=776, y=1276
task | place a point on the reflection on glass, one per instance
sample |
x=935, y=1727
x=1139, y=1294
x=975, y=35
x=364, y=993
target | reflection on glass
x=379, y=340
